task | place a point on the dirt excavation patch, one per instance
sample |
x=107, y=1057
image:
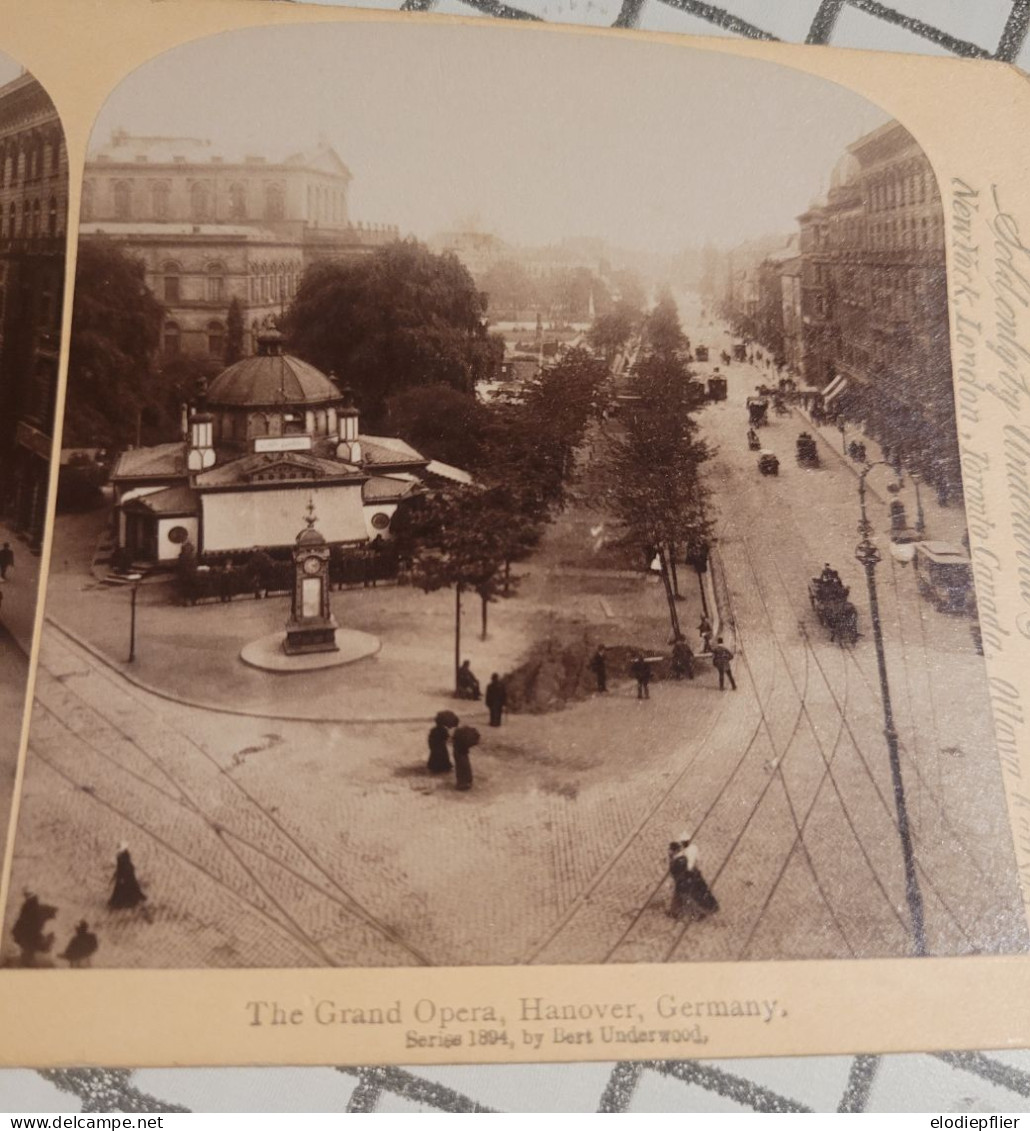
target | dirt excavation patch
x=556, y=672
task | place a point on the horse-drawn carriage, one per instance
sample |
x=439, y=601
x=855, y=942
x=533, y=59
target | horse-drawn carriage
x=768, y=464
x=828, y=596
x=808, y=453
x=701, y=353
x=739, y=351
x=757, y=411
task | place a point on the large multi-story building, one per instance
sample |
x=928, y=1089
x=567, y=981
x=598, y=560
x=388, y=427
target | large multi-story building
x=874, y=308
x=33, y=211
x=210, y=227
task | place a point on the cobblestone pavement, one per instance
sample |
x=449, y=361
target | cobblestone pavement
x=265, y=842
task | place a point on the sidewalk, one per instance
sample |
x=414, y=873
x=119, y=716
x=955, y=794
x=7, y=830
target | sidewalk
x=941, y=524
x=18, y=608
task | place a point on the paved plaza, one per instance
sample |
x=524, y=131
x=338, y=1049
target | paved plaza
x=297, y=826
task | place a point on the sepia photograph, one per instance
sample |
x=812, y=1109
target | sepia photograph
x=511, y=513
x=33, y=233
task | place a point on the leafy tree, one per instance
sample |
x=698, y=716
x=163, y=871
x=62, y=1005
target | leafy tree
x=234, y=332
x=662, y=330
x=398, y=318
x=442, y=422
x=116, y=328
x=652, y=472
x=612, y=331
x=456, y=537
x=509, y=289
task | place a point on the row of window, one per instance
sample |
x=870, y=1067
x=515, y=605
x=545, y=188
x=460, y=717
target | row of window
x=882, y=235
x=171, y=339
x=899, y=191
x=202, y=201
x=27, y=160
x=32, y=218
x=267, y=282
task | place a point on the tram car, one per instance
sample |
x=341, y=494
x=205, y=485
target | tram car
x=739, y=351
x=944, y=575
x=807, y=451
x=717, y=388
x=828, y=596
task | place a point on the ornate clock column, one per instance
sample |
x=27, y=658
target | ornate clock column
x=311, y=627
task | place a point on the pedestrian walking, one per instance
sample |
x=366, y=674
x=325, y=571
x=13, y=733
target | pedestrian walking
x=721, y=658
x=496, y=699
x=27, y=931
x=692, y=898
x=439, y=752
x=704, y=629
x=464, y=739
x=640, y=670
x=127, y=892
x=6, y=560
x=81, y=947
x=599, y=666
x=682, y=660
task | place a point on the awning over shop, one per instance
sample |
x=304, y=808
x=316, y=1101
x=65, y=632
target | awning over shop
x=834, y=389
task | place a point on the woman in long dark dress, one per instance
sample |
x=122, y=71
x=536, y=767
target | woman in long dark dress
x=439, y=755
x=464, y=739
x=127, y=892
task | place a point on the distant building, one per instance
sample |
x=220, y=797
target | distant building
x=874, y=303
x=210, y=227
x=33, y=212
x=271, y=435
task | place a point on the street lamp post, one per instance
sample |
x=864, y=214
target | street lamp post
x=867, y=553
x=842, y=425
x=134, y=579
x=920, y=518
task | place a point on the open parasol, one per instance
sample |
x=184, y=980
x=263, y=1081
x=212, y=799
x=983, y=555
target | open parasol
x=467, y=737
x=446, y=719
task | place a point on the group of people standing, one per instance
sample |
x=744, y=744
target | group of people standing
x=681, y=662
x=448, y=739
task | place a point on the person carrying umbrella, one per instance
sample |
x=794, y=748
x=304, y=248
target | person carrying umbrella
x=464, y=739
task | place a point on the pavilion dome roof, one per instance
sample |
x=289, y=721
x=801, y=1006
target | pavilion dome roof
x=271, y=379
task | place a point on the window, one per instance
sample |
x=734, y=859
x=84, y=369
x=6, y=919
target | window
x=200, y=201
x=171, y=341
x=216, y=339
x=237, y=201
x=275, y=203
x=160, y=198
x=87, y=200
x=52, y=217
x=36, y=221
x=122, y=200
x=216, y=282
x=172, y=288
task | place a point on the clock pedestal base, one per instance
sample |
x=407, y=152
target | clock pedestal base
x=301, y=639
x=268, y=654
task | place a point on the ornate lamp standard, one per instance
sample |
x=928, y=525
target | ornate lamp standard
x=867, y=553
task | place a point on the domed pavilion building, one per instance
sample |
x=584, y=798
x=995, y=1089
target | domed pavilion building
x=270, y=435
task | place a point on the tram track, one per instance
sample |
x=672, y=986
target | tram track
x=329, y=889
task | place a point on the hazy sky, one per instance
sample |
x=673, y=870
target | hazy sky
x=539, y=136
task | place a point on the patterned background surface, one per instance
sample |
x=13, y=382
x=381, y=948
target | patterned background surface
x=945, y=1082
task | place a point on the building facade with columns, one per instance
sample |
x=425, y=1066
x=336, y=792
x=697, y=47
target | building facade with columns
x=210, y=227
x=33, y=215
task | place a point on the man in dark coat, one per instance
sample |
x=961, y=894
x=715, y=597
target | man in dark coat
x=496, y=699
x=721, y=658
x=6, y=560
x=682, y=659
x=127, y=892
x=640, y=669
x=439, y=753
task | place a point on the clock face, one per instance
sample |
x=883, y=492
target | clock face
x=312, y=565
